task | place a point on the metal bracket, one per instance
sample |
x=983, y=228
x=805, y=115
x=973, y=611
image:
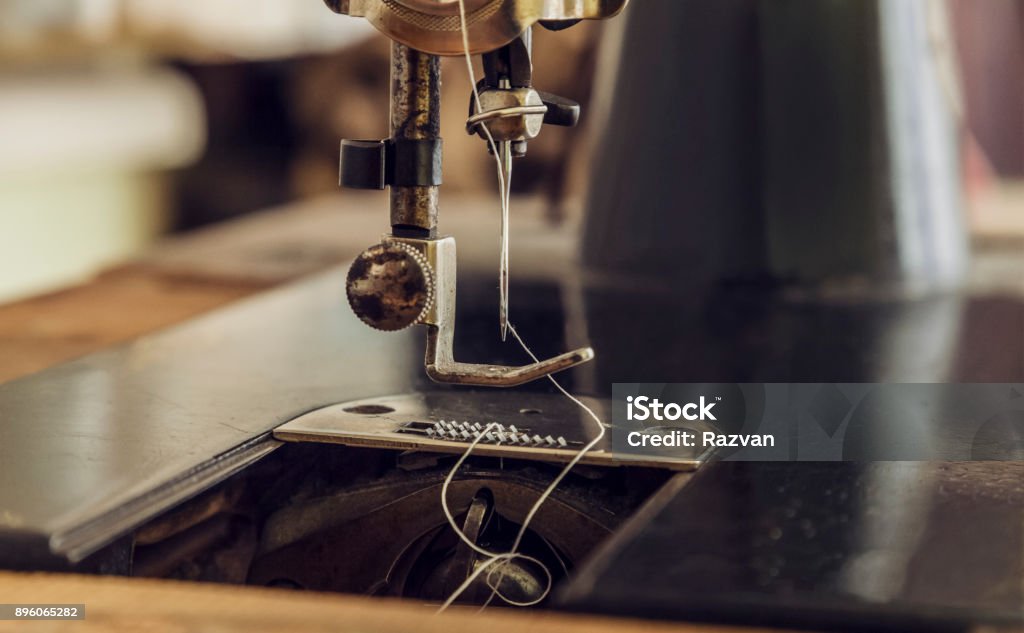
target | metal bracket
x=539, y=427
x=440, y=321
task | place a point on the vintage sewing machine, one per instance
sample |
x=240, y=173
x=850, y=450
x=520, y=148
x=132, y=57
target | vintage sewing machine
x=281, y=443
x=264, y=483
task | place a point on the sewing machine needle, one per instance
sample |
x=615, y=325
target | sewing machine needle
x=505, y=151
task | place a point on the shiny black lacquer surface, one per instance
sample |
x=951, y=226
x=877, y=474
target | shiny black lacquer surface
x=83, y=442
x=118, y=429
x=845, y=546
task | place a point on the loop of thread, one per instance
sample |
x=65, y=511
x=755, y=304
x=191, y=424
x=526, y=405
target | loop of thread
x=493, y=557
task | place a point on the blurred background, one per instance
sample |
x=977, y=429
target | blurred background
x=122, y=121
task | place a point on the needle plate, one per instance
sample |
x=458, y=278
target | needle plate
x=542, y=427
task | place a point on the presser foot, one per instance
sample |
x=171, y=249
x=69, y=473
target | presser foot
x=403, y=282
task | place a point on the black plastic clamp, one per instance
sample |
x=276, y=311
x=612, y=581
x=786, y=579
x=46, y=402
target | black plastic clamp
x=390, y=162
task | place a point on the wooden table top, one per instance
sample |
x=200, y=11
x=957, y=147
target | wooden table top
x=160, y=606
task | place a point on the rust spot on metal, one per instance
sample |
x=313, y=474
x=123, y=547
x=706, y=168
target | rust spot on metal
x=415, y=115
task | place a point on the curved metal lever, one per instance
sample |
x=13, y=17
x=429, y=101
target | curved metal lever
x=442, y=368
x=440, y=363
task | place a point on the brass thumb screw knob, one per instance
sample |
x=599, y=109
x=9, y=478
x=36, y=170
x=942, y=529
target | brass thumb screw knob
x=390, y=286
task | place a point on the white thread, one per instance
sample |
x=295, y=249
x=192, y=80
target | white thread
x=503, y=269
x=493, y=557
x=504, y=175
x=505, y=192
x=512, y=553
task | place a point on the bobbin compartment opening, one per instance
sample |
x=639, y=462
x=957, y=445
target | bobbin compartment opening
x=350, y=502
x=368, y=521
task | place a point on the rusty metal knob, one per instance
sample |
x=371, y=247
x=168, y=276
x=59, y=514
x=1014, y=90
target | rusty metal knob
x=390, y=286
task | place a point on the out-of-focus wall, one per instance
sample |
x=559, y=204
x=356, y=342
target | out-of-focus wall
x=95, y=119
x=990, y=38
x=195, y=29
x=80, y=168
